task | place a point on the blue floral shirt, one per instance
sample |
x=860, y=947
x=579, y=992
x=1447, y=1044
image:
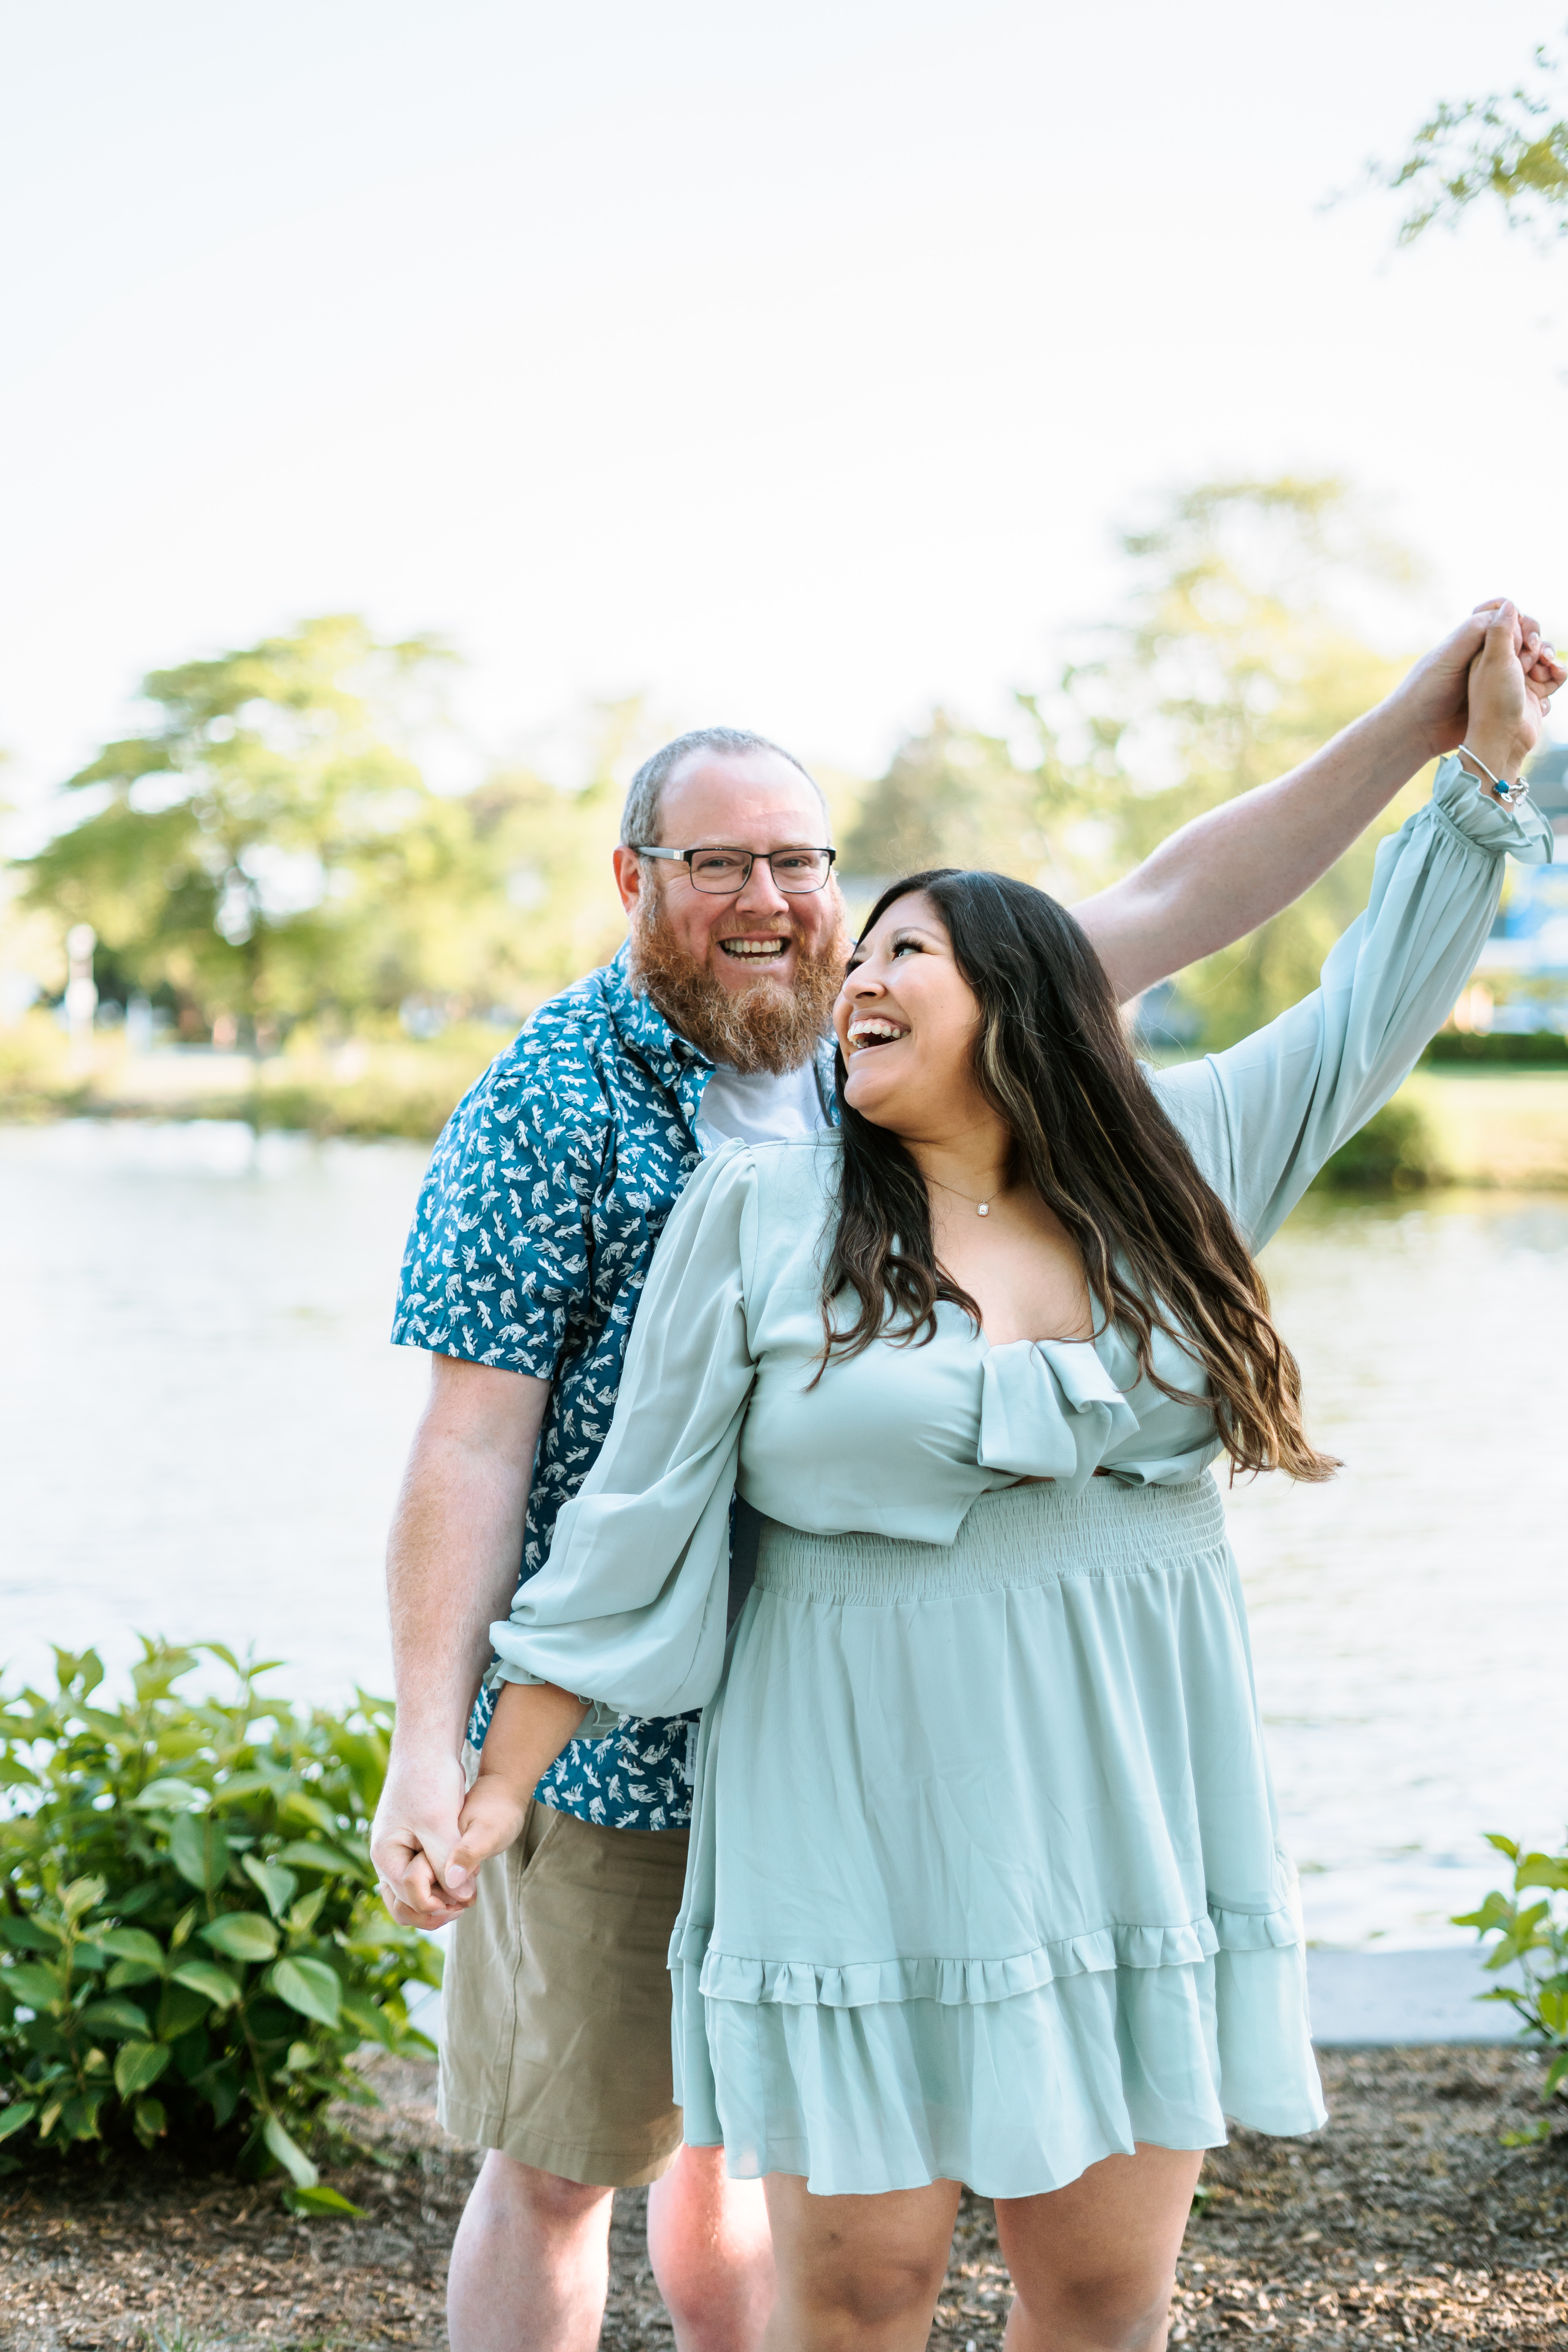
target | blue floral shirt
x=534, y=1230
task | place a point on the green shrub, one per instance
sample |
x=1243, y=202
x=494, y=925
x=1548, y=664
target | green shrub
x=1527, y=1930
x=191, y=1945
x=1394, y=1152
x=1529, y=1049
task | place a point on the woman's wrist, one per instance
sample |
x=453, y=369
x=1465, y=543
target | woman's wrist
x=1493, y=757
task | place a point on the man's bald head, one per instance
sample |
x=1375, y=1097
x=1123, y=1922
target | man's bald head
x=644, y=809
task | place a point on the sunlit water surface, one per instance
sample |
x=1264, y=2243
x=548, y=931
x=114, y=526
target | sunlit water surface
x=201, y=1425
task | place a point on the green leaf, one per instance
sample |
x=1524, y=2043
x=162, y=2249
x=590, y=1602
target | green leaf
x=82, y=1895
x=78, y=2117
x=17, y=2117
x=1530, y=2136
x=150, y=2120
x=244, y=1784
x=30, y=1981
x=320, y=2199
x=199, y=1850
x=30, y=1935
x=133, y=1944
x=1503, y=1845
x=242, y=1935
x=310, y=1986
x=170, y=1796
x=138, y=2067
x=131, y=1972
x=366, y=2018
x=179, y=2009
x=205, y=1977
x=293, y=2159
x=114, y=2017
x=306, y=1912
x=1494, y=1912
x=1542, y=1870
x=277, y=1884
x=74, y=1666
x=1556, y=2073
x=220, y=2086
x=304, y=1807
x=305, y=1853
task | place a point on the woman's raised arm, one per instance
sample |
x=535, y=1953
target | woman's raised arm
x=1263, y=1117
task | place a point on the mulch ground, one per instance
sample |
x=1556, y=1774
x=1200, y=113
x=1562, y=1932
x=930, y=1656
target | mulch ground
x=1408, y=2217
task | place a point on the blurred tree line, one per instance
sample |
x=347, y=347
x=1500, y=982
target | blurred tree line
x=1236, y=661
x=267, y=851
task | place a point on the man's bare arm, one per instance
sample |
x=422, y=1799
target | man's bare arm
x=451, y=1569
x=1228, y=871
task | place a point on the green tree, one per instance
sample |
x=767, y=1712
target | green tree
x=1234, y=664
x=1237, y=664
x=1510, y=148
x=241, y=845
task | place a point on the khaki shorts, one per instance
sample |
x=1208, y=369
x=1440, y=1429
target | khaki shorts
x=555, y=2035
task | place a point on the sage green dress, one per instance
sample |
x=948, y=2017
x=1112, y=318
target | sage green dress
x=985, y=1881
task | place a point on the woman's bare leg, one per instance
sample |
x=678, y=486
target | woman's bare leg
x=1093, y=2263
x=856, y=2274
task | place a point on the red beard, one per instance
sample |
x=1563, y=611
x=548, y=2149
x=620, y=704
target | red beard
x=766, y=1027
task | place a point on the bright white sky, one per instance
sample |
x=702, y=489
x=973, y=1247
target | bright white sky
x=793, y=365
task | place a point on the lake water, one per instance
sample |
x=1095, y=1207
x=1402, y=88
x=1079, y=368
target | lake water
x=201, y=1427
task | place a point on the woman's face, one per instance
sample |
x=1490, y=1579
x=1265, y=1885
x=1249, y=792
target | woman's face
x=906, y=1020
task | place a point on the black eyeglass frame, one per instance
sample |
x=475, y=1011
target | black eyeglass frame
x=731, y=849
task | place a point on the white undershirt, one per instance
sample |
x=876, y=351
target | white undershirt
x=754, y=1107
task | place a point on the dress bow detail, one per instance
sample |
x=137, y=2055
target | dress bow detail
x=1048, y=1409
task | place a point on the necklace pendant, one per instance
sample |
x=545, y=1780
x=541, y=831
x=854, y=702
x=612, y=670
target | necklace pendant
x=982, y=1209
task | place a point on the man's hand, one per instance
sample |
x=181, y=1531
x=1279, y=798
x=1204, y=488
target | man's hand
x=1434, y=700
x=451, y=1568
x=415, y=1830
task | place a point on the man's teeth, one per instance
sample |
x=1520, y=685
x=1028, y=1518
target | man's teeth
x=875, y=1032
x=769, y=949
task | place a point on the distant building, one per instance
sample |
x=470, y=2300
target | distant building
x=1521, y=980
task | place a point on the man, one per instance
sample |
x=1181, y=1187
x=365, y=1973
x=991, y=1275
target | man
x=538, y=1220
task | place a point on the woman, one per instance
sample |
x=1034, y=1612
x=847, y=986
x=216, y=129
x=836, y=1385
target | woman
x=984, y=1883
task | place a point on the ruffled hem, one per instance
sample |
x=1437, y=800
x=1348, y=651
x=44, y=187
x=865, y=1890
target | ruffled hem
x=805, y=1984
x=1015, y=2095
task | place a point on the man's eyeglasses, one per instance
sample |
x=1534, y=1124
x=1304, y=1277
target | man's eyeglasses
x=722, y=872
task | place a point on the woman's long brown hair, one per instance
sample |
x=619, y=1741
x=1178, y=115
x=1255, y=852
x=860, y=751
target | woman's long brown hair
x=1159, y=1249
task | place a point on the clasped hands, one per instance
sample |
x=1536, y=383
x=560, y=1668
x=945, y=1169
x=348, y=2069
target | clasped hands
x=1487, y=686
x=431, y=1835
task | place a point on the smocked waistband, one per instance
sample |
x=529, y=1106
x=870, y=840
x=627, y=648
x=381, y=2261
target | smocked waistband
x=1034, y=1534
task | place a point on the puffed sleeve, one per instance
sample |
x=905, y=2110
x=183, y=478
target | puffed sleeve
x=629, y=1608
x=1262, y=1117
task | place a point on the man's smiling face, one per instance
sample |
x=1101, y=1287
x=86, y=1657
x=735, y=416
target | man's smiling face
x=755, y=800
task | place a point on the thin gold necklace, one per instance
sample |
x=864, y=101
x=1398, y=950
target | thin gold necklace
x=981, y=1208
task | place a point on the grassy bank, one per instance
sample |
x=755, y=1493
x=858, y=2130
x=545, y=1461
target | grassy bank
x=1487, y=1126
x=364, y=1086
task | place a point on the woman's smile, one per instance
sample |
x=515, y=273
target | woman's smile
x=873, y=1029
